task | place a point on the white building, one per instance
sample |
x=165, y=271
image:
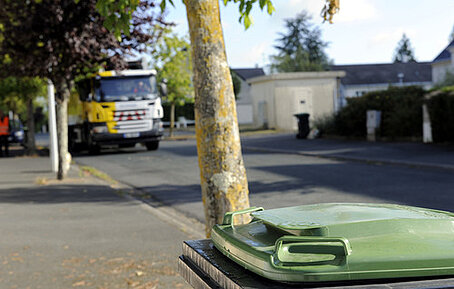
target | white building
x=442, y=63
x=363, y=78
x=277, y=97
x=244, y=99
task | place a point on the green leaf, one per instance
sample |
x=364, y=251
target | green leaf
x=163, y=5
x=241, y=7
x=270, y=7
x=262, y=4
x=247, y=21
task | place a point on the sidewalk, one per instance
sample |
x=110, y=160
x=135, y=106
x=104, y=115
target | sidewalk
x=79, y=233
x=419, y=155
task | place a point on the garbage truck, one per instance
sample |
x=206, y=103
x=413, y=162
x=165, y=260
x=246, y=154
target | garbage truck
x=120, y=108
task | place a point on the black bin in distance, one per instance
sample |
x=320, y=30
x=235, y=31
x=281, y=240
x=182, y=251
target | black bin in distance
x=303, y=125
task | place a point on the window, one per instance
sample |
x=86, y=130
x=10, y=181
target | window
x=127, y=88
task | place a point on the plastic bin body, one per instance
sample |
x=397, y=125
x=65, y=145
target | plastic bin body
x=303, y=125
x=338, y=242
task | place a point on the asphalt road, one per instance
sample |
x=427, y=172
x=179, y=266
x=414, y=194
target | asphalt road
x=171, y=175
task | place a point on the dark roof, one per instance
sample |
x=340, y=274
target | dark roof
x=385, y=73
x=246, y=73
x=445, y=54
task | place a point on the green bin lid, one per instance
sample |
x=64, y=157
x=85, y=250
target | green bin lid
x=334, y=242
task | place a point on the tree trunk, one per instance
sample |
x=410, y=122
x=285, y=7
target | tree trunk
x=62, y=98
x=172, y=118
x=222, y=173
x=31, y=147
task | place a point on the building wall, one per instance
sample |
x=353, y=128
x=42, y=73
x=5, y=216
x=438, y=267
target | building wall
x=262, y=99
x=244, y=113
x=277, y=98
x=359, y=90
x=439, y=70
x=244, y=97
x=244, y=104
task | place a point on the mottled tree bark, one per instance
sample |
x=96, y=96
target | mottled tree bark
x=62, y=98
x=31, y=147
x=222, y=173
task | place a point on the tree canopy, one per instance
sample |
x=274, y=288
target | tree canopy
x=404, y=51
x=18, y=95
x=62, y=38
x=15, y=91
x=301, y=47
x=172, y=60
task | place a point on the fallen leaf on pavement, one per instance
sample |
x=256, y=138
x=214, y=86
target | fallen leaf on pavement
x=139, y=273
x=80, y=283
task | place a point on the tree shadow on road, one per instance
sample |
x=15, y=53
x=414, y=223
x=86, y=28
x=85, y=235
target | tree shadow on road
x=66, y=193
x=174, y=194
x=416, y=187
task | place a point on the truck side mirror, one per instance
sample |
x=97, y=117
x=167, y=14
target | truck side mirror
x=163, y=88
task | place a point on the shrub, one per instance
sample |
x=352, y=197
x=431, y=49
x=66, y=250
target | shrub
x=325, y=124
x=441, y=110
x=186, y=110
x=401, y=113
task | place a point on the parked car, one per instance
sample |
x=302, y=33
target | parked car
x=17, y=134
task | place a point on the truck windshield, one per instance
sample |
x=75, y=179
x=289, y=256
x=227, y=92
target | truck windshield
x=126, y=88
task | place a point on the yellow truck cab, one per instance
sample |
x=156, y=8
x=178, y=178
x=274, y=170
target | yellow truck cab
x=117, y=108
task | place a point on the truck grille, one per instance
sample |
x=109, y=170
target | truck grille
x=132, y=120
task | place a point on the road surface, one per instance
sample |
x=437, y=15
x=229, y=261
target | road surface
x=171, y=174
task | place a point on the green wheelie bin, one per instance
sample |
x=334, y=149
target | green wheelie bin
x=339, y=242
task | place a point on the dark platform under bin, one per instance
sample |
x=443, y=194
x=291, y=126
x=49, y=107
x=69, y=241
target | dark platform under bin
x=203, y=266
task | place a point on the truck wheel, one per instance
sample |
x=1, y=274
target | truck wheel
x=152, y=145
x=74, y=147
x=94, y=149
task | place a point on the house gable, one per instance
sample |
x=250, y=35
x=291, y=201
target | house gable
x=445, y=55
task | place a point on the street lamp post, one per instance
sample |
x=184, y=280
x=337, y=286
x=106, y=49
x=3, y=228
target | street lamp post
x=53, y=150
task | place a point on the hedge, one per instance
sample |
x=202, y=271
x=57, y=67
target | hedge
x=186, y=110
x=441, y=110
x=401, y=114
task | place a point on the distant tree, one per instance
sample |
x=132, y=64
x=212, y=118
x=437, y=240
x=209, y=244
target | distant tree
x=59, y=39
x=172, y=58
x=404, y=52
x=19, y=92
x=9, y=101
x=236, y=83
x=301, y=47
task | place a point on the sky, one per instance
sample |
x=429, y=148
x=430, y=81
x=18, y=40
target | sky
x=364, y=31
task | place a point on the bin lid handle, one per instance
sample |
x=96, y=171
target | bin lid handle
x=228, y=217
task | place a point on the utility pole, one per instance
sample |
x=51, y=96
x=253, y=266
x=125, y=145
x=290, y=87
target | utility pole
x=53, y=151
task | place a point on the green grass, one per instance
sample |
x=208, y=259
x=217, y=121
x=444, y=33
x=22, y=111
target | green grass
x=97, y=173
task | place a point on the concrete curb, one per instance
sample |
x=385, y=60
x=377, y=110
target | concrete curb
x=449, y=168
